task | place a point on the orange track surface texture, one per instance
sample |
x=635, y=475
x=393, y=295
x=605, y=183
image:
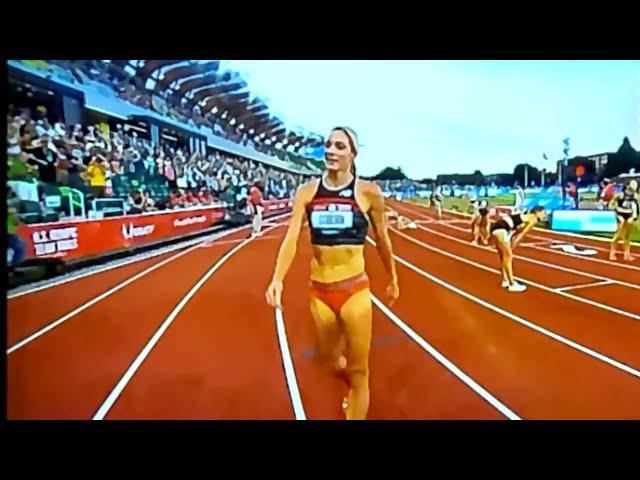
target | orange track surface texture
x=540, y=354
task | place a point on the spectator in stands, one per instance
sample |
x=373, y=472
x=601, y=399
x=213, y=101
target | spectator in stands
x=159, y=159
x=149, y=163
x=137, y=202
x=203, y=164
x=211, y=180
x=169, y=173
x=14, y=242
x=97, y=174
x=115, y=164
x=192, y=198
x=176, y=199
x=179, y=165
x=205, y=197
x=21, y=175
x=133, y=162
x=44, y=157
x=149, y=203
x=62, y=167
x=76, y=170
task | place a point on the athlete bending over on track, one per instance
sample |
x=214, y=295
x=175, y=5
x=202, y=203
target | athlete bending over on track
x=502, y=233
x=626, y=204
x=480, y=223
x=338, y=208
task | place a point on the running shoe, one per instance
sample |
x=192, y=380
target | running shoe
x=517, y=287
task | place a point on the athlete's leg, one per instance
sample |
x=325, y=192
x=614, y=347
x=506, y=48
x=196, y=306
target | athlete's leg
x=257, y=220
x=356, y=317
x=496, y=243
x=628, y=228
x=504, y=253
x=476, y=229
x=330, y=341
x=484, y=232
x=616, y=238
x=508, y=261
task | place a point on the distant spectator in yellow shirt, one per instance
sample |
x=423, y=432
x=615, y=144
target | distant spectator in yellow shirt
x=97, y=175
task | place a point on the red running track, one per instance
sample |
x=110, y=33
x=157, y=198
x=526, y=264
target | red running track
x=178, y=344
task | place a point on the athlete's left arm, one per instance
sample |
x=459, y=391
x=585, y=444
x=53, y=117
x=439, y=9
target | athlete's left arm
x=381, y=233
x=518, y=237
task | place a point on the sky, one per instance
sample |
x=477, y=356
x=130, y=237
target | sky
x=436, y=117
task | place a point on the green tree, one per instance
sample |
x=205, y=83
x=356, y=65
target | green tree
x=533, y=175
x=622, y=161
x=390, y=173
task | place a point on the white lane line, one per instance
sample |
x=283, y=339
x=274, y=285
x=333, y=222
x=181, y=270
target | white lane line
x=538, y=262
x=535, y=244
x=289, y=370
x=586, y=237
x=95, y=300
x=527, y=259
x=590, y=259
x=144, y=353
x=101, y=297
x=213, y=243
x=106, y=268
x=560, y=240
x=541, y=230
x=541, y=247
x=586, y=350
x=586, y=285
x=444, y=361
x=529, y=282
x=112, y=266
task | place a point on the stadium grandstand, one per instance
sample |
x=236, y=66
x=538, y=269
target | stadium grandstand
x=93, y=139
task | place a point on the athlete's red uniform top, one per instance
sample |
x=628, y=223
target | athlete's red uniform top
x=255, y=196
x=608, y=192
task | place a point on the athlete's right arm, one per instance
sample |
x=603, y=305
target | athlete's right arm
x=614, y=199
x=289, y=246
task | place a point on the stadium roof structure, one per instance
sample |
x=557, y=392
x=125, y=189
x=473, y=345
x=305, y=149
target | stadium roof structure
x=221, y=94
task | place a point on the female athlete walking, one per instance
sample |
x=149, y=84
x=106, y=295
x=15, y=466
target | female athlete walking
x=339, y=207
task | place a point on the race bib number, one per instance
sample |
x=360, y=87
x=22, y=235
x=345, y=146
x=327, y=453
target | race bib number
x=335, y=220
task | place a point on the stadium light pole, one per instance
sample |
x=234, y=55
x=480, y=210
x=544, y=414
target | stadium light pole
x=544, y=168
x=564, y=170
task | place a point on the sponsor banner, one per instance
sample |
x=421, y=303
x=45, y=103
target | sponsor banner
x=584, y=220
x=272, y=206
x=88, y=238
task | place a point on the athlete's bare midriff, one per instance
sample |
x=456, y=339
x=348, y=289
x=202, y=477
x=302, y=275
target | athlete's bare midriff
x=336, y=263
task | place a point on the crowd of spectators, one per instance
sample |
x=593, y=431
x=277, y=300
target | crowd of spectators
x=92, y=159
x=48, y=159
x=44, y=156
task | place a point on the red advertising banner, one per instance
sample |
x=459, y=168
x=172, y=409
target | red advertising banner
x=87, y=238
x=271, y=206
